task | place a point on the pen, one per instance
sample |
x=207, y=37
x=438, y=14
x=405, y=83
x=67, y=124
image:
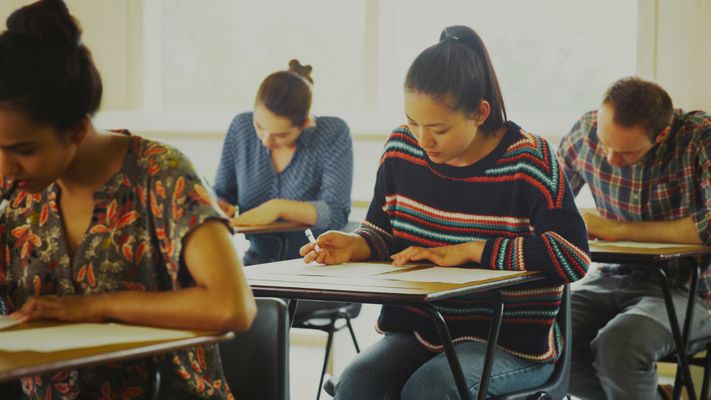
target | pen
x=310, y=235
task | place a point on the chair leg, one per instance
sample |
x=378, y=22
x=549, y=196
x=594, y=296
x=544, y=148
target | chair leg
x=154, y=373
x=676, y=391
x=707, y=373
x=350, y=329
x=329, y=342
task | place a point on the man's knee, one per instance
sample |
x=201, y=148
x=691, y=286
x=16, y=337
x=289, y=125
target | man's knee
x=629, y=342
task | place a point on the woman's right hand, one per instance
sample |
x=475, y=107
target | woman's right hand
x=336, y=248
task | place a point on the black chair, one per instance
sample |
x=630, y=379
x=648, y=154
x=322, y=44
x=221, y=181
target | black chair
x=256, y=363
x=325, y=316
x=557, y=386
x=11, y=390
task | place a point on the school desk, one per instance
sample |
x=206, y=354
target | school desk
x=274, y=279
x=14, y=365
x=659, y=256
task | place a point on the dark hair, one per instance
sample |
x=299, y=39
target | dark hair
x=288, y=93
x=459, y=66
x=45, y=70
x=637, y=102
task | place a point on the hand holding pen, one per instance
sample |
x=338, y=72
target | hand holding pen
x=312, y=240
x=333, y=247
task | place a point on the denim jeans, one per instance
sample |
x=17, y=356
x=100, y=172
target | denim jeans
x=398, y=366
x=620, y=330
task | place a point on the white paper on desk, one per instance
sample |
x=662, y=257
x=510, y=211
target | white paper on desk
x=75, y=336
x=448, y=275
x=6, y=322
x=351, y=270
x=638, y=245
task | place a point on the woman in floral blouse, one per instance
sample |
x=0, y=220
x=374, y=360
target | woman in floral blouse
x=104, y=225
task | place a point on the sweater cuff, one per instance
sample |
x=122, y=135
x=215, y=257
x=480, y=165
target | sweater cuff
x=378, y=247
x=486, y=255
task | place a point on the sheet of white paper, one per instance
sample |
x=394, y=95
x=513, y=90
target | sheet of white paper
x=448, y=275
x=6, y=322
x=638, y=245
x=75, y=336
x=352, y=270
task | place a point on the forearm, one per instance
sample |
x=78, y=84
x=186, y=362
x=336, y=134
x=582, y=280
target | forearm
x=677, y=231
x=191, y=308
x=296, y=211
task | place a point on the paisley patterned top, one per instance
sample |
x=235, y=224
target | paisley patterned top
x=134, y=242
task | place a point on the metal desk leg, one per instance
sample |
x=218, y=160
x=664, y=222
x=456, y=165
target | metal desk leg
x=446, y=340
x=693, y=290
x=491, y=342
x=292, y=303
x=678, y=338
x=689, y=319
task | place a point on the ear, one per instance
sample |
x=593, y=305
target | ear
x=482, y=112
x=662, y=135
x=78, y=132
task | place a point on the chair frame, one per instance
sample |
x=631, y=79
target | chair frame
x=330, y=328
x=246, y=347
x=557, y=385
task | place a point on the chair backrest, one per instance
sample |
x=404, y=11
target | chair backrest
x=256, y=363
x=309, y=311
x=557, y=385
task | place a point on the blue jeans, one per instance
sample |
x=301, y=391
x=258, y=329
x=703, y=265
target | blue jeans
x=398, y=366
x=620, y=330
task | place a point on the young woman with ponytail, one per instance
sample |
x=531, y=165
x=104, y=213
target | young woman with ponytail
x=460, y=184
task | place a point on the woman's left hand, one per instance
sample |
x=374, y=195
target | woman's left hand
x=445, y=256
x=64, y=308
x=266, y=213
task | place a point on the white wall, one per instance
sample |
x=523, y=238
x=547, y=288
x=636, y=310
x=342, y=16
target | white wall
x=675, y=43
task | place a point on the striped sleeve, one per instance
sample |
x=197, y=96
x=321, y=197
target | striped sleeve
x=558, y=246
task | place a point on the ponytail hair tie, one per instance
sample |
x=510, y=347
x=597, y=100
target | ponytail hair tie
x=451, y=37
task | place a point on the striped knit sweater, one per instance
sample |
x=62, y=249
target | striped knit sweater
x=517, y=200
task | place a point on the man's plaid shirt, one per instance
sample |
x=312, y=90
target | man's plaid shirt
x=672, y=181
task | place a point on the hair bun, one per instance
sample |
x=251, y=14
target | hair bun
x=460, y=34
x=303, y=71
x=48, y=21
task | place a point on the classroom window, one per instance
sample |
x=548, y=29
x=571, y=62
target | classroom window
x=203, y=62
x=213, y=54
